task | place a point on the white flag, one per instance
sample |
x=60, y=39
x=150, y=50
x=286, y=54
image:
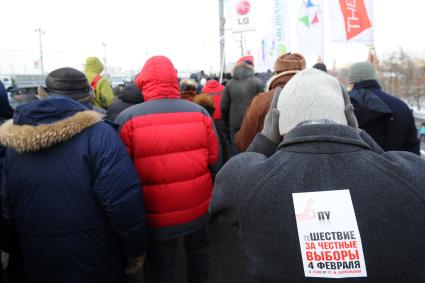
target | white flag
x=352, y=21
x=273, y=35
x=310, y=27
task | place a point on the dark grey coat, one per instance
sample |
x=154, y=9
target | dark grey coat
x=387, y=189
x=238, y=94
x=130, y=95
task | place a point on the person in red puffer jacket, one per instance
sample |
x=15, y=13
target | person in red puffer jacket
x=215, y=89
x=175, y=149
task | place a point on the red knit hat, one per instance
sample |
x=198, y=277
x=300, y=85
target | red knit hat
x=249, y=59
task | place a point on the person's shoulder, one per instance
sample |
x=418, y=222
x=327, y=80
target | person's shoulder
x=261, y=100
x=184, y=106
x=404, y=158
x=265, y=95
x=245, y=165
x=394, y=101
x=104, y=79
x=408, y=165
x=256, y=79
x=129, y=113
x=229, y=84
x=103, y=128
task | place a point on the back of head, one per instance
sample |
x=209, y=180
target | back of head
x=94, y=65
x=243, y=71
x=194, y=77
x=158, y=79
x=289, y=62
x=321, y=67
x=188, y=85
x=248, y=59
x=361, y=71
x=310, y=95
x=131, y=94
x=67, y=82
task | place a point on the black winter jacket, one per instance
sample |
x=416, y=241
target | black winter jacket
x=238, y=94
x=129, y=96
x=386, y=118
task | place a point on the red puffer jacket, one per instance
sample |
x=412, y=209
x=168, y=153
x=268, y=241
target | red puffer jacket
x=172, y=143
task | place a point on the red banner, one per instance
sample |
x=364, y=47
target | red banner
x=356, y=19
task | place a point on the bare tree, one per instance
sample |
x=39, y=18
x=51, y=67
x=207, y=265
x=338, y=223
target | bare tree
x=404, y=76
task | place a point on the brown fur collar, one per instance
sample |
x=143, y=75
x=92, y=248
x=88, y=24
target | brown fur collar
x=277, y=76
x=188, y=95
x=27, y=138
x=204, y=100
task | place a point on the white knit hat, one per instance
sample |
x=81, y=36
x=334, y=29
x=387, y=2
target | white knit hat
x=310, y=95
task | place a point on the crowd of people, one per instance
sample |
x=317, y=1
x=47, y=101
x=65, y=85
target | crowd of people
x=98, y=184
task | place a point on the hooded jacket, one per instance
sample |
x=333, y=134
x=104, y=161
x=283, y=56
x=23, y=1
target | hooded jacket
x=253, y=119
x=387, y=191
x=104, y=94
x=72, y=191
x=129, y=96
x=386, y=118
x=238, y=94
x=172, y=143
x=215, y=89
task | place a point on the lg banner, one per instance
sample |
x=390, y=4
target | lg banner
x=242, y=15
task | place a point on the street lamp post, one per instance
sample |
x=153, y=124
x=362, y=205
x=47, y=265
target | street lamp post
x=40, y=32
x=104, y=58
x=221, y=27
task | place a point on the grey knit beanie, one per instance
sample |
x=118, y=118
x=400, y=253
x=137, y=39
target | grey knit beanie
x=361, y=71
x=310, y=95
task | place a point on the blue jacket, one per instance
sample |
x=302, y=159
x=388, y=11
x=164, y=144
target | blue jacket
x=73, y=192
x=386, y=118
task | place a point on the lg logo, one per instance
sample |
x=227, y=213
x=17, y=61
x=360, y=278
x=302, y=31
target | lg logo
x=243, y=7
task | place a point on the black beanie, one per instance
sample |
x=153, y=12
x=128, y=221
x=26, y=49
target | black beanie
x=68, y=82
x=321, y=67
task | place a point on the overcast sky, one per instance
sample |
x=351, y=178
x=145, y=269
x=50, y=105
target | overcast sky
x=185, y=30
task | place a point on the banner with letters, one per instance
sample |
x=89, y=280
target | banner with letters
x=241, y=14
x=352, y=21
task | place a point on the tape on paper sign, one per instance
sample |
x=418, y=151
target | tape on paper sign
x=330, y=241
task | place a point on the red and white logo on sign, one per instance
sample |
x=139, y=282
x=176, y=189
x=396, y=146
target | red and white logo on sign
x=356, y=19
x=243, y=8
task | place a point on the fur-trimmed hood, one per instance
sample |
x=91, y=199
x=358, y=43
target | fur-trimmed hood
x=45, y=125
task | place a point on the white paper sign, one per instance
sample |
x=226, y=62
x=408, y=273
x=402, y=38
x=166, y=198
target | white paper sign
x=330, y=241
